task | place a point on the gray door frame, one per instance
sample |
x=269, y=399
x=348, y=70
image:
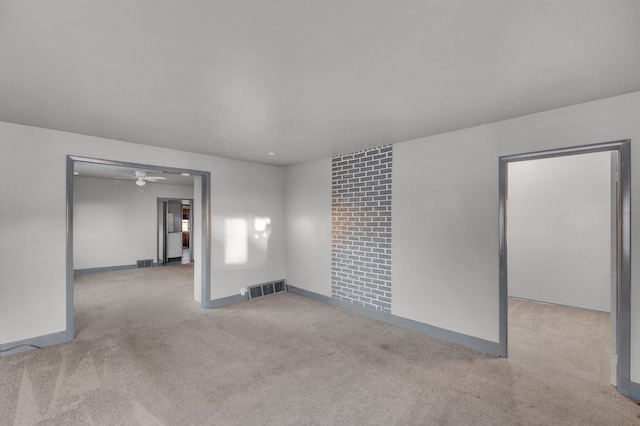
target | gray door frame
x=622, y=152
x=164, y=245
x=205, y=228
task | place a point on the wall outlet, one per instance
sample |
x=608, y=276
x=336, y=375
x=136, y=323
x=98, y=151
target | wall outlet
x=243, y=291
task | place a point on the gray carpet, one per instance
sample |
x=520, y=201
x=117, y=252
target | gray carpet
x=146, y=353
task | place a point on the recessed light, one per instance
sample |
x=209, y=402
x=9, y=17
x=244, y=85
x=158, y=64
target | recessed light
x=185, y=174
x=272, y=153
x=76, y=173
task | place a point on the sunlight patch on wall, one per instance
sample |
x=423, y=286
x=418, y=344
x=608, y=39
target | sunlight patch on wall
x=261, y=227
x=235, y=243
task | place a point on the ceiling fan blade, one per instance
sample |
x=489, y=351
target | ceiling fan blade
x=126, y=177
x=154, y=178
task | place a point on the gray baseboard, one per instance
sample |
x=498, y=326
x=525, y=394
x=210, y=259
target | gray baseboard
x=102, y=269
x=632, y=391
x=481, y=345
x=108, y=269
x=26, y=344
x=223, y=301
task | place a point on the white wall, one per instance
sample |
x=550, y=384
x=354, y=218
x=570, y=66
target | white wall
x=115, y=222
x=251, y=195
x=445, y=212
x=33, y=177
x=559, y=230
x=445, y=215
x=308, y=213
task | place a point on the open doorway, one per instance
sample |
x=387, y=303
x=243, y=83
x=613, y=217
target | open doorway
x=199, y=247
x=617, y=277
x=175, y=231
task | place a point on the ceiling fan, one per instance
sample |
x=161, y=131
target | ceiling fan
x=142, y=178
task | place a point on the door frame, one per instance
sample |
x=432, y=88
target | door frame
x=621, y=151
x=161, y=201
x=205, y=227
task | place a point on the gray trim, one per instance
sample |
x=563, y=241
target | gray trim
x=191, y=231
x=563, y=152
x=25, y=345
x=205, y=296
x=543, y=302
x=218, y=303
x=223, y=301
x=613, y=233
x=70, y=274
x=165, y=209
x=105, y=269
x=633, y=391
x=624, y=277
x=206, y=225
x=481, y=345
x=502, y=253
x=623, y=236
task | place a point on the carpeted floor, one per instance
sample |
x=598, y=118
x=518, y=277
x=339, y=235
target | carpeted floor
x=146, y=353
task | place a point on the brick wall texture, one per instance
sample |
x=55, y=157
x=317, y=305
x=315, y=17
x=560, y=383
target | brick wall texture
x=361, y=228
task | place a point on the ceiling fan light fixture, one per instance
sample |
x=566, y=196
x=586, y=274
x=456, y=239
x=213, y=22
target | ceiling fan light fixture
x=141, y=178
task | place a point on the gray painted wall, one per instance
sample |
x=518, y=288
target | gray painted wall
x=361, y=228
x=559, y=230
x=115, y=222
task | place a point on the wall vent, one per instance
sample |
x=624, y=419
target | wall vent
x=266, y=289
x=144, y=263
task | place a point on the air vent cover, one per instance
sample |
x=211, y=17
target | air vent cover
x=266, y=289
x=144, y=263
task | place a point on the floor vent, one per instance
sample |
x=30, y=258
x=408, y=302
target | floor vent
x=144, y=263
x=266, y=289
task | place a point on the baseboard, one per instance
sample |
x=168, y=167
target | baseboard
x=481, y=345
x=103, y=269
x=110, y=268
x=28, y=344
x=630, y=390
x=218, y=303
x=544, y=302
x=634, y=391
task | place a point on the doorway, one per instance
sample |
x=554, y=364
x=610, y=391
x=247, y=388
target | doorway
x=175, y=231
x=620, y=271
x=201, y=244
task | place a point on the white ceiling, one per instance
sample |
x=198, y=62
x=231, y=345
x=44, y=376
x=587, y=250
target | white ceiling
x=127, y=174
x=305, y=79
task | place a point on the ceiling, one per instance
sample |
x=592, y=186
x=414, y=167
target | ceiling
x=305, y=79
x=126, y=174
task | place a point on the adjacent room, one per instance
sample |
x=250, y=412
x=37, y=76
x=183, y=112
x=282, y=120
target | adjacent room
x=121, y=214
x=319, y=212
x=562, y=264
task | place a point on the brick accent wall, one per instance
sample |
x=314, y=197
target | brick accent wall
x=361, y=228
